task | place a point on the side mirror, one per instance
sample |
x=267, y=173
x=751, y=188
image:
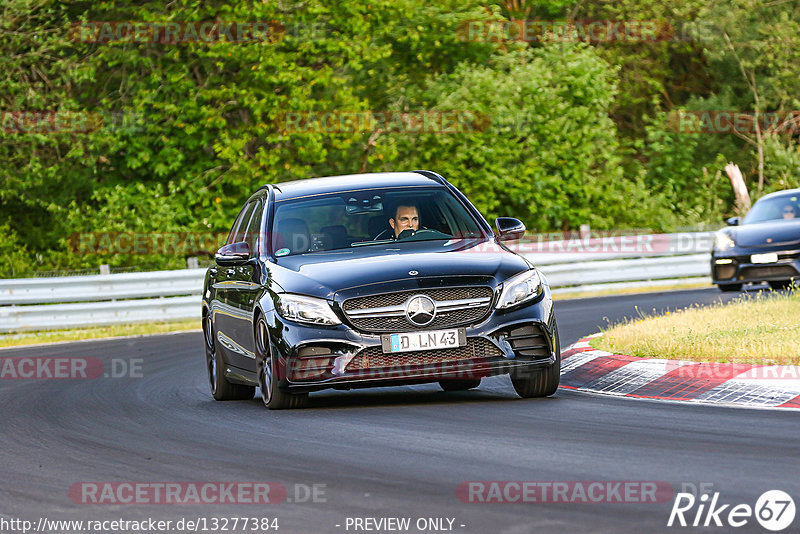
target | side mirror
x=233, y=254
x=733, y=221
x=509, y=228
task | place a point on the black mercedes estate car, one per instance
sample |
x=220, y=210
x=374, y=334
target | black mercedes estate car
x=373, y=280
x=762, y=247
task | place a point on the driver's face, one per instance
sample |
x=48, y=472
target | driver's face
x=788, y=212
x=405, y=218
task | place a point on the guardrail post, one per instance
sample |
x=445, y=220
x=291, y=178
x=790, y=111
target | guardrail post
x=105, y=269
x=192, y=263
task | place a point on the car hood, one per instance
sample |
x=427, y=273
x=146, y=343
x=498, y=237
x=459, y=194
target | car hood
x=777, y=232
x=390, y=266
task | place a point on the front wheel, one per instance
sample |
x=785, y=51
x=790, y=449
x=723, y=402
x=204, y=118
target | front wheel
x=459, y=384
x=273, y=397
x=541, y=382
x=781, y=284
x=729, y=287
x=221, y=389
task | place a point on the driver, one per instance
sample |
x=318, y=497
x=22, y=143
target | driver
x=406, y=217
x=788, y=212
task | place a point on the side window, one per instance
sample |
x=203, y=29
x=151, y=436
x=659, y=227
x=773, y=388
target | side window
x=240, y=226
x=236, y=224
x=254, y=228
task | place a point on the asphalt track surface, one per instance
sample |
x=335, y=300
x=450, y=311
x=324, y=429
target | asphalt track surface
x=390, y=452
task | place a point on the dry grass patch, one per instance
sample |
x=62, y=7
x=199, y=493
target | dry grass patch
x=98, y=332
x=763, y=328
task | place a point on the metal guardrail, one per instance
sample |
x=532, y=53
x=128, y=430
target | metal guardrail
x=630, y=270
x=58, y=316
x=101, y=287
x=100, y=300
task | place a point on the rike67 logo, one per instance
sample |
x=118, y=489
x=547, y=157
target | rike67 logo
x=774, y=510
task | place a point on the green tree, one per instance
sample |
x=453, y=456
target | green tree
x=549, y=155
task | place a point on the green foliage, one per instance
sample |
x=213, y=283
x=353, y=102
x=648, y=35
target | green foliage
x=783, y=164
x=14, y=257
x=754, y=44
x=753, y=47
x=180, y=134
x=654, y=74
x=549, y=154
x=681, y=169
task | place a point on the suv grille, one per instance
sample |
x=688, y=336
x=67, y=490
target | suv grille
x=455, y=306
x=374, y=358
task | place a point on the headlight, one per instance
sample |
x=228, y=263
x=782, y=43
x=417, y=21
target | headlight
x=722, y=241
x=306, y=310
x=520, y=288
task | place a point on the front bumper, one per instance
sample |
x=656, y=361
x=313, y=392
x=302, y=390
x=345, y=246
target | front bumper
x=737, y=267
x=310, y=358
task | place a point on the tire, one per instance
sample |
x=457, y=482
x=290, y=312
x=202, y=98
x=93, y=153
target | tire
x=539, y=382
x=221, y=389
x=781, y=284
x=729, y=287
x=273, y=397
x=459, y=384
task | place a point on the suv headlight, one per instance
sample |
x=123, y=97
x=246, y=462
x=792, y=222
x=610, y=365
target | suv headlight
x=306, y=310
x=722, y=241
x=520, y=288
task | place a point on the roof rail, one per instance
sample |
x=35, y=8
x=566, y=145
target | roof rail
x=432, y=175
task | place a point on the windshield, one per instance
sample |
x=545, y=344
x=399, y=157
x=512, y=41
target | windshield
x=783, y=207
x=369, y=217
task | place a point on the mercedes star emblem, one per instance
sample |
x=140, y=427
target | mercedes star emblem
x=420, y=310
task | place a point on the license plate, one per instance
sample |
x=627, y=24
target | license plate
x=426, y=340
x=770, y=257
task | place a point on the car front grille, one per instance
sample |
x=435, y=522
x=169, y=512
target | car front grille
x=374, y=358
x=455, y=306
x=772, y=271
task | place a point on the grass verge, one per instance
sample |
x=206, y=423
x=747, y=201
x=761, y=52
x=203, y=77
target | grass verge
x=95, y=332
x=569, y=295
x=760, y=328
